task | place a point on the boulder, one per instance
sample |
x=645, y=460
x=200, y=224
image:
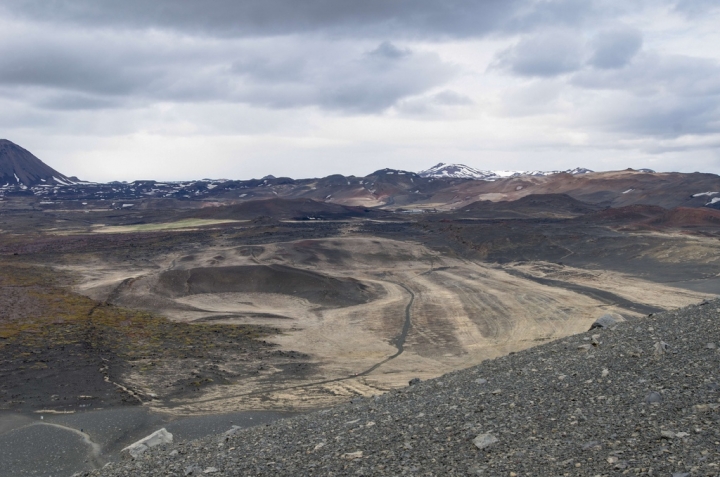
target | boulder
x=607, y=320
x=155, y=439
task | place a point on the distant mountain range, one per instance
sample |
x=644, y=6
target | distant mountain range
x=443, y=187
x=461, y=171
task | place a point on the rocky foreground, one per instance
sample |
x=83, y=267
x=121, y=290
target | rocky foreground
x=636, y=398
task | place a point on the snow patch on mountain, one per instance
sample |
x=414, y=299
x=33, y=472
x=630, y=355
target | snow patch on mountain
x=461, y=171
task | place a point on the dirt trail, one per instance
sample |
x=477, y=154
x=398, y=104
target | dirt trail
x=398, y=341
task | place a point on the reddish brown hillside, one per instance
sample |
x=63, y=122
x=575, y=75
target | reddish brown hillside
x=687, y=217
x=627, y=214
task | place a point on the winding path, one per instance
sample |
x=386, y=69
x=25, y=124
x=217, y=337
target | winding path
x=398, y=341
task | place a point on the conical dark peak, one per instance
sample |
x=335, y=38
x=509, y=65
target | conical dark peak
x=19, y=167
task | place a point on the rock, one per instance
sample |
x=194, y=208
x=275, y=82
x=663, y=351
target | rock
x=484, y=440
x=352, y=455
x=161, y=436
x=711, y=346
x=653, y=397
x=592, y=445
x=607, y=320
x=660, y=349
x=667, y=434
x=229, y=433
x=585, y=347
x=414, y=381
x=210, y=470
x=605, y=372
x=193, y=469
x=233, y=430
x=481, y=381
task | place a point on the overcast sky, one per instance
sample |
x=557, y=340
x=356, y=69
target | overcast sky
x=178, y=89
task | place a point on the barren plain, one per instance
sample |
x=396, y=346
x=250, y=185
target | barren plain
x=208, y=309
x=358, y=306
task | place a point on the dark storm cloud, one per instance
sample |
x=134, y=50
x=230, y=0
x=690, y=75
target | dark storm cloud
x=615, y=48
x=455, y=18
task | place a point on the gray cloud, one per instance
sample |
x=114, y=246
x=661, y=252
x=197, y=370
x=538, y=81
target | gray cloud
x=615, y=48
x=665, y=96
x=400, y=18
x=667, y=117
x=434, y=105
x=653, y=73
x=546, y=54
x=360, y=82
x=694, y=8
x=67, y=72
x=49, y=64
x=387, y=50
x=267, y=69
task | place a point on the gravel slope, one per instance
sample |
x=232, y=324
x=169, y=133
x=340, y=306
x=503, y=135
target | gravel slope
x=554, y=410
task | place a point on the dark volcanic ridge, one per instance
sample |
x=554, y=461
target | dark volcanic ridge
x=638, y=398
x=295, y=209
x=534, y=205
x=19, y=167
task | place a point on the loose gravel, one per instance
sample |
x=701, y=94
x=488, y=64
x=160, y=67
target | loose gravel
x=638, y=398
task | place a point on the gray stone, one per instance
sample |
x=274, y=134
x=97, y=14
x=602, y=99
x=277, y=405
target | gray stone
x=484, y=441
x=414, y=381
x=352, y=455
x=193, y=469
x=653, y=397
x=607, y=320
x=661, y=348
x=161, y=436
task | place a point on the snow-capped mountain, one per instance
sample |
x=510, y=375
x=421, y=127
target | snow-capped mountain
x=461, y=171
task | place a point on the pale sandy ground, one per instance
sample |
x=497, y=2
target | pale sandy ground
x=462, y=313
